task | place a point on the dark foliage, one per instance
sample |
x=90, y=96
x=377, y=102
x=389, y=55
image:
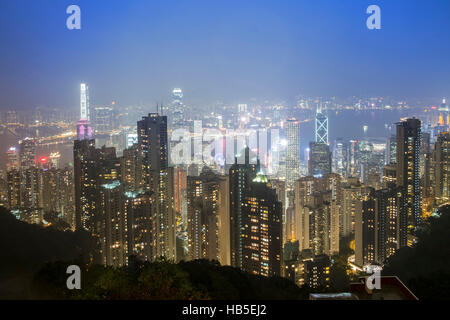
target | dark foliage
x=425, y=268
x=163, y=280
x=25, y=248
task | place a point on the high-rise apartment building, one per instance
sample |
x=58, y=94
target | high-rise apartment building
x=158, y=179
x=202, y=215
x=442, y=168
x=261, y=229
x=408, y=150
x=292, y=152
x=241, y=176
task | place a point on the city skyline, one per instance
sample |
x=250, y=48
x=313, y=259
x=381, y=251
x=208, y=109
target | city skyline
x=198, y=150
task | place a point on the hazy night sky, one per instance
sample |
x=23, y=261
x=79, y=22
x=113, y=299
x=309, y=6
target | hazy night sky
x=137, y=51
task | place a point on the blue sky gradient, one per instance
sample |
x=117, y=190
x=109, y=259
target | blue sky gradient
x=137, y=51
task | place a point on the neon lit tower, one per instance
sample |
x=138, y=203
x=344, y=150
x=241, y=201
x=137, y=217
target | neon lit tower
x=321, y=127
x=84, y=129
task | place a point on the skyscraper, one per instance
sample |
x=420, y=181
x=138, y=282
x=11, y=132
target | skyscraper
x=319, y=159
x=202, y=215
x=261, y=229
x=158, y=179
x=178, y=107
x=408, y=149
x=27, y=153
x=442, y=168
x=380, y=225
x=85, y=180
x=241, y=175
x=292, y=152
x=321, y=128
x=391, y=150
x=13, y=160
x=84, y=130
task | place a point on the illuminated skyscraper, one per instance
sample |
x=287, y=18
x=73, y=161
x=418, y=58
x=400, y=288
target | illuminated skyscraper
x=27, y=153
x=138, y=206
x=13, y=161
x=261, y=229
x=408, y=150
x=391, y=150
x=321, y=127
x=241, y=175
x=339, y=158
x=442, y=168
x=84, y=130
x=85, y=175
x=158, y=179
x=113, y=224
x=380, y=225
x=202, y=215
x=178, y=113
x=319, y=160
x=292, y=152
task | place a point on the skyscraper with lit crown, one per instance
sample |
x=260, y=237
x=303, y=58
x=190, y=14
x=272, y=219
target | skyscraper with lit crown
x=84, y=129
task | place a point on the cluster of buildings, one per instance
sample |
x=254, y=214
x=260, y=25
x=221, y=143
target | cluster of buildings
x=368, y=194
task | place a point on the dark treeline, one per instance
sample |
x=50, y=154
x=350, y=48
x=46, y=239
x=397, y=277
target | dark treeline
x=425, y=268
x=34, y=260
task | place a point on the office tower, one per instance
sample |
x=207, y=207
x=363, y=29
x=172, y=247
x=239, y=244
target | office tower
x=319, y=160
x=202, y=215
x=391, y=150
x=103, y=119
x=351, y=202
x=353, y=163
x=84, y=130
x=442, y=168
x=139, y=212
x=178, y=114
x=27, y=153
x=241, y=175
x=261, y=229
x=12, y=159
x=339, y=158
x=131, y=165
x=292, y=152
x=408, y=147
x=158, y=178
x=321, y=129
x=381, y=225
